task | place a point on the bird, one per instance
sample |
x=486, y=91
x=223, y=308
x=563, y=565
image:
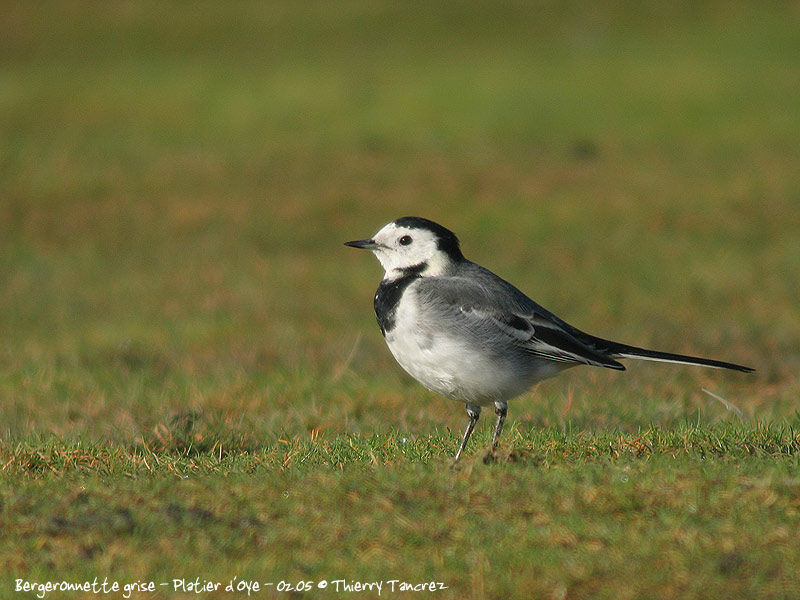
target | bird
x=471, y=336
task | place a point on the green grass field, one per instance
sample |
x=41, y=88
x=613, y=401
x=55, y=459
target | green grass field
x=192, y=384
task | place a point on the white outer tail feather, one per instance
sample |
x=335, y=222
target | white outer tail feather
x=676, y=361
x=680, y=359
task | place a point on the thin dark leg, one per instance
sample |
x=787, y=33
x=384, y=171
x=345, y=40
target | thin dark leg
x=473, y=411
x=500, y=409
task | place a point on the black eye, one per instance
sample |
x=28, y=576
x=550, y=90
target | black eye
x=405, y=240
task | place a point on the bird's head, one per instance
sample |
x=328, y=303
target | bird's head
x=413, y=245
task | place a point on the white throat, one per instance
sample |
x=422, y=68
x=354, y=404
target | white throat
x=436, y=266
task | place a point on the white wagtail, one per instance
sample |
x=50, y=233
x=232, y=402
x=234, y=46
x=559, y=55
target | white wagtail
x=465, y=333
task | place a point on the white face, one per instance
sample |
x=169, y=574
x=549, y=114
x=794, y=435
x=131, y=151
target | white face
x=399, y=248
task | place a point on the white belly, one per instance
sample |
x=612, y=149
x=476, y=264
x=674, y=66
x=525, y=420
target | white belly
x=454, y=366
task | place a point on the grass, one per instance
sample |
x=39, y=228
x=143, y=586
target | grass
x=189, y=365
x=696, y=511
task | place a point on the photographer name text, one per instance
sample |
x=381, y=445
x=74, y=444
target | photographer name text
x=199, y=586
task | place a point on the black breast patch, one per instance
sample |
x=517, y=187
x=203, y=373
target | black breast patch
x=388, y=297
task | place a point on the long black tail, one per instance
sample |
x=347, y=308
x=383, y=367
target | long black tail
x=624, y=351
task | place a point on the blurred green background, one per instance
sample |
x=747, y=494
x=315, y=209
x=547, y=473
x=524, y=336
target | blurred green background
x=189, y=363
x=176, y=182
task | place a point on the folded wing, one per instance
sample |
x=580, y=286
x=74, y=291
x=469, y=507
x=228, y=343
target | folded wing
x=494, y=312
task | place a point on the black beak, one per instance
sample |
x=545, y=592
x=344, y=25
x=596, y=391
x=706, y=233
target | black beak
x=365, y=244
